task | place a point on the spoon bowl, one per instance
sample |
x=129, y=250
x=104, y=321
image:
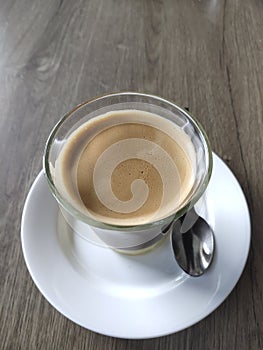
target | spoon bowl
x=193, y=243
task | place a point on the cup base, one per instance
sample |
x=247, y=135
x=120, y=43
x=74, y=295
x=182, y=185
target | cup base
x=144, y=248
x=86, y=232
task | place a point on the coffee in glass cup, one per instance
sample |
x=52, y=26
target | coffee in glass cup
x=125, y=166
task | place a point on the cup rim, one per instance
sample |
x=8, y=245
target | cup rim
x=103, y=225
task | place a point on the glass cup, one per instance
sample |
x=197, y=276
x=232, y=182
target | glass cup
x=134, y=238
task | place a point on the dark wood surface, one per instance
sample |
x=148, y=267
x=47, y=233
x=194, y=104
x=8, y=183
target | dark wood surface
x=54, y=54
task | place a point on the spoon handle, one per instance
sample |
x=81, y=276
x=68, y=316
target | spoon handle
x=188, y=220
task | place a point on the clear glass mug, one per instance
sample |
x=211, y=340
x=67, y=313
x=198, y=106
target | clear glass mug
x=135, y=238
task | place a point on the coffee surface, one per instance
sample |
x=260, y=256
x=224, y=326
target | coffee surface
x=126, y=168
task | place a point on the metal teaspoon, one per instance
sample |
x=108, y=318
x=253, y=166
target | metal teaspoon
x=193, y=243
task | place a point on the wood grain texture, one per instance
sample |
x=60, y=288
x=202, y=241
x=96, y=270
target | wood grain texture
x=54, y=54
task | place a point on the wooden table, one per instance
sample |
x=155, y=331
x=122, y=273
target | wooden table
x=205, y=55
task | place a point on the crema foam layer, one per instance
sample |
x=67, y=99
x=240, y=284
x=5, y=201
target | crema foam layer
x=126, y=167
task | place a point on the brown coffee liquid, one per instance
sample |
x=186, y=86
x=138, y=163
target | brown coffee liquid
x=124, y=172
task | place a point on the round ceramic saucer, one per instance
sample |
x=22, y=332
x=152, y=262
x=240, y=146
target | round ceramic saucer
x=140, y=296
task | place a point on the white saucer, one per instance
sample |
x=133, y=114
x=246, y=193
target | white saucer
x=134, y=297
